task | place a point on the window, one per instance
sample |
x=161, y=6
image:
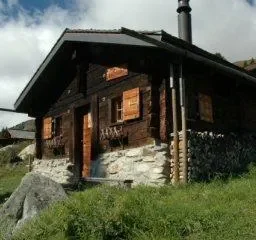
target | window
x=126, y=107
x=205, y=107
x=117, y=110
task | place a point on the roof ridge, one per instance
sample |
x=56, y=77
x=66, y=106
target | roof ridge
x=94, y=30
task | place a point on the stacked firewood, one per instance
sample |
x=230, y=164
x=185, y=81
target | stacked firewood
x=213, y=155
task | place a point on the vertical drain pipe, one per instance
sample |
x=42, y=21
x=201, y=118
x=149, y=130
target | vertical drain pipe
x=173, y=86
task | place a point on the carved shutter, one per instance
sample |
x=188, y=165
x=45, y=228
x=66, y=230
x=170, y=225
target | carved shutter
x=116, y=72
x=131, y=104
x=47, y=128
x=205, y=108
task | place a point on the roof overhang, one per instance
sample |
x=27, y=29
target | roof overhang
x=127, y=37
x=89, y=36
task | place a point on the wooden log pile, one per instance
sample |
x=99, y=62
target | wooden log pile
x=216, y=155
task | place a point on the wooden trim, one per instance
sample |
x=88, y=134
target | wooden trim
x=38, y=135
x=110, y=110
x=72, y=136
x=95, y=125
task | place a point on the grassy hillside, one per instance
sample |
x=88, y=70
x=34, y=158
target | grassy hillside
x=12, y=169
x=10, y=178
x=217, y=210
x=28, y=125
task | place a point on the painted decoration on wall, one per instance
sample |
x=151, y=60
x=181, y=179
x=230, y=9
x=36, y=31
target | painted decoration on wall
x=205, y=107
x=111, y=133
x=116, y=72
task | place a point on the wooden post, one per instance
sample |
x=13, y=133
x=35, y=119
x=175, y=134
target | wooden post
x=72, y=137
x=38, y=135
x=175, y=127
x=95, y=124
x=184, y=126
x=30, y=160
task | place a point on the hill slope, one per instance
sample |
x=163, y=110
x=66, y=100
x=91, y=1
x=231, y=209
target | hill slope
x=26, y=126
x=219, y=210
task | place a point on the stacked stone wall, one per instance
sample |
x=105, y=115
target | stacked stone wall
x=59, y=170
x=149, y=165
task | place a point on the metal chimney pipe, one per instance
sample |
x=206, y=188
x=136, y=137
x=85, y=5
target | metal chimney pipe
x=184, y=20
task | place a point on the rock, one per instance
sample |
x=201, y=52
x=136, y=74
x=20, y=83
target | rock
x=114, y=169
x=29, y=150
x=56, y=169
x=143, y=168
x=135, y=152
x=148, y=152
x=35, y=193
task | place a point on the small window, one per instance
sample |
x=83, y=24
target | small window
x=117, y=110
x=205, y=107
x=126, y=107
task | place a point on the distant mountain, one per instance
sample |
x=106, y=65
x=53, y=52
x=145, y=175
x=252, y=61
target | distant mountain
x=25, y=126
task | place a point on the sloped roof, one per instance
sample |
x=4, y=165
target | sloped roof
x=20, y=134
x=124, y=36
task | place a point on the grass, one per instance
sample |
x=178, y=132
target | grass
x=216, y=210
x=10, y=178
x=11, y=174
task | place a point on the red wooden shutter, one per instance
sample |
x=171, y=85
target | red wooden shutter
x=205, y=108
x=131, y=104
x=116, y=72
x=47, y=128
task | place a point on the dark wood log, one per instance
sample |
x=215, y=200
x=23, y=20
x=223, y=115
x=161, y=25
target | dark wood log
x=38, y=135
x=95, y=125
x=72, y=136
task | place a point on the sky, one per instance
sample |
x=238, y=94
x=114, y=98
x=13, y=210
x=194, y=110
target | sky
x=29, y=28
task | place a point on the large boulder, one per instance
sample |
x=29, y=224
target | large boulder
x=29, y=150
x=35, y=193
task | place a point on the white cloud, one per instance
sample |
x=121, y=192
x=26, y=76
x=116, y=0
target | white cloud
x=228, y=27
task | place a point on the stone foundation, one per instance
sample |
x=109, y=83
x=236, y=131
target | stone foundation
x=59, y=170
x=149, y=165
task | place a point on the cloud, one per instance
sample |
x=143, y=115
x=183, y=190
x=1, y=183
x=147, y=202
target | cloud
x=27, y=36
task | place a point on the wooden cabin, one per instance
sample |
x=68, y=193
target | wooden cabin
x=112, y=103
x=11, y=136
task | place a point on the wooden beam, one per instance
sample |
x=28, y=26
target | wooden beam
x=173, y=85
x=38, y=124
x=72, y=136
x=95, y=120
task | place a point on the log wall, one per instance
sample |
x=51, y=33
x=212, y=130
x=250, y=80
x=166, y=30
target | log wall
x=89, y=84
